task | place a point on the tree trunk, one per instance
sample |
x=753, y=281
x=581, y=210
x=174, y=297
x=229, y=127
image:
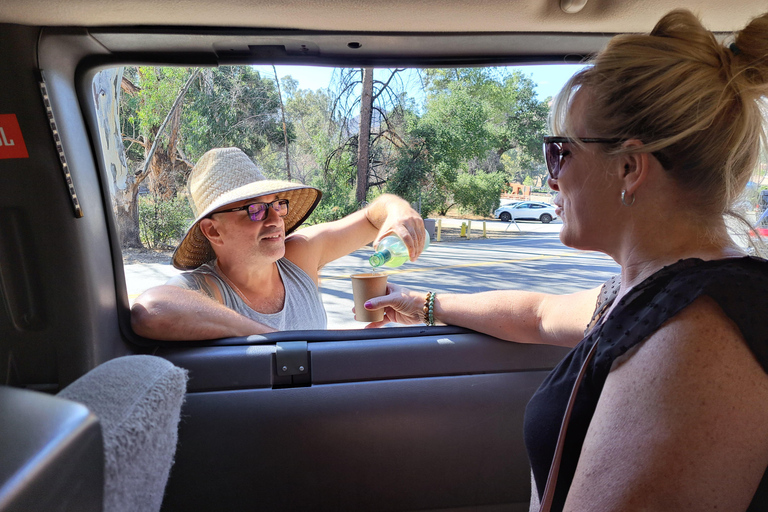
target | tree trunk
x=285, y=130
x=106, y=96
x=127, y=216
x=106, y=93
x=363, y=149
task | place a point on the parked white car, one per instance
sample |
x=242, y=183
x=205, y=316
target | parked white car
x=527, y=210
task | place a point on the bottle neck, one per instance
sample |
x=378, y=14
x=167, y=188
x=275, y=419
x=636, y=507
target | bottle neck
x=380, y=258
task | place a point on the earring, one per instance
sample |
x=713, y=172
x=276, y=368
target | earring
x=624, y=202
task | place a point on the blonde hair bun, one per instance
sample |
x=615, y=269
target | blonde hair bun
x=694, y=102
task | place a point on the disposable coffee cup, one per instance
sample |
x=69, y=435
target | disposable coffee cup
x=364, y=287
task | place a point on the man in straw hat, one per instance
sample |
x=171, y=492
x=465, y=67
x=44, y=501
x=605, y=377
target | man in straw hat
x=245, y=275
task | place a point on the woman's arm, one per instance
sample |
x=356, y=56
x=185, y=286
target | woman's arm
x=681, y=422
x=525, y=317
x=171, y=313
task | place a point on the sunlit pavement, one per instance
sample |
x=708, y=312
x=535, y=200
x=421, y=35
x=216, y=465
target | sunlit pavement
x=139, y=277
x=533, y=259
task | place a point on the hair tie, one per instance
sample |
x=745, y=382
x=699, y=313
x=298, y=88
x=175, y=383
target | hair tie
x=735, y=49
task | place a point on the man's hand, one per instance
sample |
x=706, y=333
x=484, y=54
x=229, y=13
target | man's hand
x=393, y=215
x=313, y=247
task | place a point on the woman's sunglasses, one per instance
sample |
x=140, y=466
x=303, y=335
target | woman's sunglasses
x=553, y=151
x=259, y=211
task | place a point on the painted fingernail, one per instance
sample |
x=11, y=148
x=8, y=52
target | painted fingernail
x=368, y=304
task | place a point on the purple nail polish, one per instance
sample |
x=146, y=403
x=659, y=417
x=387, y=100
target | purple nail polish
x=367, y=304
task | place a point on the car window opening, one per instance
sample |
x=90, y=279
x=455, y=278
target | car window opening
x=471, y=173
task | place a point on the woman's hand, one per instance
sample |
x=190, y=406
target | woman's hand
x=400, y=305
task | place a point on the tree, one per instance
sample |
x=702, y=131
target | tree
x=476, y=122
x=310, y=115
x=171, y=116
x=364, y=136
x=475, y=129
x=364, y=109
x=234, y=106
x=107, y=86
x=285, y=129
x=515, y=118
x=479, y=193
x=315, y=156
x=125, y=184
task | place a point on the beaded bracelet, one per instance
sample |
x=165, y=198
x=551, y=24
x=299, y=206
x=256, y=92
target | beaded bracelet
x=429, y=308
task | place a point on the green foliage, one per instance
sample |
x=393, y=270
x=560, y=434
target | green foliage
x=226, y=106
x=481, y=127
x=338, y=186
x=162, y=223
x=159, y=87
x=412, y=173
x=478, y=193
x=310, y=115
x=223, y=107
x=326, y=212
x=419, y=180
x=455, y=127
x=271, y=160
x=233, y=106
x=477, y=129
x=510, y=115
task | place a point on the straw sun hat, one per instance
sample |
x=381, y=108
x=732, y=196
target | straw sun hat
x=224, y=176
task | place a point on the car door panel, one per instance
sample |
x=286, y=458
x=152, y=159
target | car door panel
x=431, y=422
x=393, y=419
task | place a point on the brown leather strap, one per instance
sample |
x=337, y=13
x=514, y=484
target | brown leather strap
x=554, y=469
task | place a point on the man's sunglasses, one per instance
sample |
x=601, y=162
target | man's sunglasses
x=259, y=211
x=553, y=151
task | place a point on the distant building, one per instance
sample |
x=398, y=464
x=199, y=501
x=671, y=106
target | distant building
x=516, y=190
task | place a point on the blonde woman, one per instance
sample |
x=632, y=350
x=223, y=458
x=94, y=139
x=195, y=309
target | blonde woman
x=655, y=141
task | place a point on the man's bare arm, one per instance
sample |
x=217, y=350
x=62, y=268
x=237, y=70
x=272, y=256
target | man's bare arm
x=313, y=247
x=171, y=313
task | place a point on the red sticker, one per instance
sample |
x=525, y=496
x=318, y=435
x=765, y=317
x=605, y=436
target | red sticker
x=11, y=142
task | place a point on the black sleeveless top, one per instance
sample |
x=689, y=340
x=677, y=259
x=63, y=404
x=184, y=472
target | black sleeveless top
x=738, y=285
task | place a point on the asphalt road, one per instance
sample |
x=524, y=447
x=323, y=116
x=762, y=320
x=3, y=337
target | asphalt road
x=530, y=259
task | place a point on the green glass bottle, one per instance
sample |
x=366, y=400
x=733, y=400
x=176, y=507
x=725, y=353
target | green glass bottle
x=392, y=252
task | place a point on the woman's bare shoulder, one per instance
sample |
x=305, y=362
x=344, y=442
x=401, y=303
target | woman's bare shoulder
x=680, y=422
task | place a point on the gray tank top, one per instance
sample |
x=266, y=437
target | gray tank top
x=303, y=307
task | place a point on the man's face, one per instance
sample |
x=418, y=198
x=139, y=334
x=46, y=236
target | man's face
x=241, y=238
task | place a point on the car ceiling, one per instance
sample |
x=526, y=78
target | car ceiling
x=597, y=16
x=429, y=33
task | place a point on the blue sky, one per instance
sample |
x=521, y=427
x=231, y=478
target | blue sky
x=549, y=79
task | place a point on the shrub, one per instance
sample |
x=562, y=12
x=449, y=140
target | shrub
x=162, y=223
x=478, y=193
